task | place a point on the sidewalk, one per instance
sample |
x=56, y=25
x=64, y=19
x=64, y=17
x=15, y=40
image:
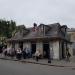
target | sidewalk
x=56, y=63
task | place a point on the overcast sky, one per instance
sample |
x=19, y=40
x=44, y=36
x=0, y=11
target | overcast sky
x=39, y=11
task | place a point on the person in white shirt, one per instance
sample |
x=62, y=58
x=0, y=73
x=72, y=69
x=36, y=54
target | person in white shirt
x=19, y=54
x=37, y=55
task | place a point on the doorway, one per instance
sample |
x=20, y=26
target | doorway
x=33, y=48
x=46, y=50
x=63, y=50
x=21, y=45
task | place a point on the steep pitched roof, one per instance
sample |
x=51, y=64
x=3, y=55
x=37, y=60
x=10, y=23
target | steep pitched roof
x=50, y=31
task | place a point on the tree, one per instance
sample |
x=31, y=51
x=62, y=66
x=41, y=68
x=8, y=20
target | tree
x=6, y=28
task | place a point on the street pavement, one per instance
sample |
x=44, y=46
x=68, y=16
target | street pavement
x=56, y=63
x=8, y=67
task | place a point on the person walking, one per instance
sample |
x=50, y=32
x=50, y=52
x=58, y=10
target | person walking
x=12, y=53
x=37, y=55
x=68, y=55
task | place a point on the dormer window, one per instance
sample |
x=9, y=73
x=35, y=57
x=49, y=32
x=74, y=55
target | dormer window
x=42, y=27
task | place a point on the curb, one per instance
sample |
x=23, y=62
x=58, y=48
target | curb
x=43, y=64
x=9, y=59
x=25, y=61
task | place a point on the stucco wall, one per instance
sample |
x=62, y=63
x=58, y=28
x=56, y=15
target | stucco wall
x=51, y=49
x=72, y=45
x=72, y=58
x=16, y=46
x=9, y=45
x=56, y=50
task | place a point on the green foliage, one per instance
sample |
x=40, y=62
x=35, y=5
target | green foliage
x=6, y=28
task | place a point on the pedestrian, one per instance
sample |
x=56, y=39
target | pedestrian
x=19, y=54
x=49, y=56
x=29, y=53
x=37, y=55
x=8, y=51
x=24, y=53
x=12, y=53
x=5, y=52
x=68, y=55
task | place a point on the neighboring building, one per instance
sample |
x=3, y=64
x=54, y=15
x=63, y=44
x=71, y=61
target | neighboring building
x=43, y=37
x=71, y=35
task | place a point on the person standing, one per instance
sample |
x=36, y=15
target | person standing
x=49, y=56
x=24, y=53
x=19, y=54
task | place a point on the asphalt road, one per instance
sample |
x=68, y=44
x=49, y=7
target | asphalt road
x=8, y=67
